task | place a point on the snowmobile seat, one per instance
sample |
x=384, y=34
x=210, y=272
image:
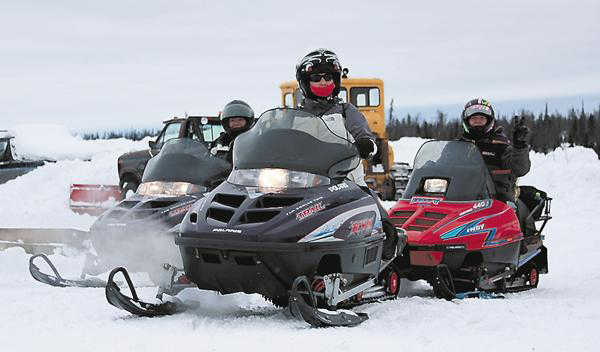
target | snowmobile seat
x=534, y=199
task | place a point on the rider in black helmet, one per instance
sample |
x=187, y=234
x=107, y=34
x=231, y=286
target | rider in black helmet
x=237, y=117
x=319, y=76
x=505, y=160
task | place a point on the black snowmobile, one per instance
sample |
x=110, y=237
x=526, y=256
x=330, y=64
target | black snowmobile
x=136, y=232
x=288, y=225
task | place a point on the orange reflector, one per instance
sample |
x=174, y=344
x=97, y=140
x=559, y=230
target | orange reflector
x=426, y=258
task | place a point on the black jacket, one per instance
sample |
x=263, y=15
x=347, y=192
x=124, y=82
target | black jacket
x=504, y=161
x=222, y=147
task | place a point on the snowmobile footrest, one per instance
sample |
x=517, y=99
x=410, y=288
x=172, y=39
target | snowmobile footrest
x=301, y=292
x=57, y=280
x=133, y=304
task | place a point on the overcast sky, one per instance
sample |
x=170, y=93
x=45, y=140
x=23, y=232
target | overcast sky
x=135, y=63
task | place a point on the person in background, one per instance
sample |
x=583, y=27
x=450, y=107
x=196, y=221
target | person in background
x=506, y=161
x=237, y=117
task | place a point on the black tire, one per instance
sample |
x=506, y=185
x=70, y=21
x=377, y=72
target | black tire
x=129, y=186
x=443, y=284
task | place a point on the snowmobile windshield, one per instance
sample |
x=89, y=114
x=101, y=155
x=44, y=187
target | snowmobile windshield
x=184, y=161
x=295, y=141
x=454, y=170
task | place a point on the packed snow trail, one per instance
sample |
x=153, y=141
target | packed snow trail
x=561, y=314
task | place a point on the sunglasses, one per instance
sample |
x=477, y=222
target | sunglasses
x=316, y=77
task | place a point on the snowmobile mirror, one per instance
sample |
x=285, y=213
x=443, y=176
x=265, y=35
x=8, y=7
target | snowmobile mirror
x=345, y=72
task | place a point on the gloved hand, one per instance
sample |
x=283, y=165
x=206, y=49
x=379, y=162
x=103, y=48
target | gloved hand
x=521, y=134
x=366, y=147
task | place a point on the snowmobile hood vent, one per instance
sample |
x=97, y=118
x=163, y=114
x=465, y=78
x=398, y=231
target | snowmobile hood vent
x=421, y=221
x=224, y=206
x=230, y=200
x=267, y=207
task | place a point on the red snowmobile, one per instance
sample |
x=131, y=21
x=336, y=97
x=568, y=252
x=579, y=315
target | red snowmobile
x=460, y=239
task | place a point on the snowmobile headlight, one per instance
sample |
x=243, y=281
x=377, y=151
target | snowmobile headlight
x=172, y=189
x=276, y=180
x=273, y=180
x=435, y=185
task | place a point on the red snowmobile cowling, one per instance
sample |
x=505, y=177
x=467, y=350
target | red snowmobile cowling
x=434, y=225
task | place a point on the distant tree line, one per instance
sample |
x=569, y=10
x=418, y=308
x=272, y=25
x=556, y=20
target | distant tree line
x=549, y=131
x=132, y=134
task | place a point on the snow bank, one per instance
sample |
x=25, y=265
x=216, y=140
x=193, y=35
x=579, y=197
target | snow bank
x=55, y=142
x=41, y=198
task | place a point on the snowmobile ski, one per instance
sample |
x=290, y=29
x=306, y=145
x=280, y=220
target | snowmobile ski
x=478, y=294
x=319, y=317
x=57, y=280
x=133, y=304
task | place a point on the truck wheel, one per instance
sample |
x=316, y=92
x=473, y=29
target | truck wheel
x=129, y=189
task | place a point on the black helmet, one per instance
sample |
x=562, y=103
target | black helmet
x=481, y=107
x=237, y=108
x=319, y=61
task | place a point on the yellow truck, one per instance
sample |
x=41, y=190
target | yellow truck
x=367, y=95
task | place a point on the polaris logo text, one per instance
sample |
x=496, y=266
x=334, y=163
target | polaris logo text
x=227, y=230
x=338, y=187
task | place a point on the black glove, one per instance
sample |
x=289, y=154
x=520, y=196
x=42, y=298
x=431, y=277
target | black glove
x=365, y=147
x=521, y=134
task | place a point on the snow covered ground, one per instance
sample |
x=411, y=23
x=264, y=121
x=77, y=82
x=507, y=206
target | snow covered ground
x=562, y=314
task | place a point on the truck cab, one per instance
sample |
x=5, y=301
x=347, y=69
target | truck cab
x=367, y=94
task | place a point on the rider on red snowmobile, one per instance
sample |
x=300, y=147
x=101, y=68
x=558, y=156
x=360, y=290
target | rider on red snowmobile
x=319, y=75
x=504, y=160
x=237, y=117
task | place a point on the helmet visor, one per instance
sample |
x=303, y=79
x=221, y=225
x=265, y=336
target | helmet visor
x=478, y=109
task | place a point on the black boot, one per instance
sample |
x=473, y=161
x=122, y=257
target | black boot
x=390, y=243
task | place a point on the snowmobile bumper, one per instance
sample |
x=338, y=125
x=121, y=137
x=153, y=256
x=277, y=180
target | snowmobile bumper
x=270, y=268
x=423, y=259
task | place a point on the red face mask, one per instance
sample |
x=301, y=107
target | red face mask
x=324, y=91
